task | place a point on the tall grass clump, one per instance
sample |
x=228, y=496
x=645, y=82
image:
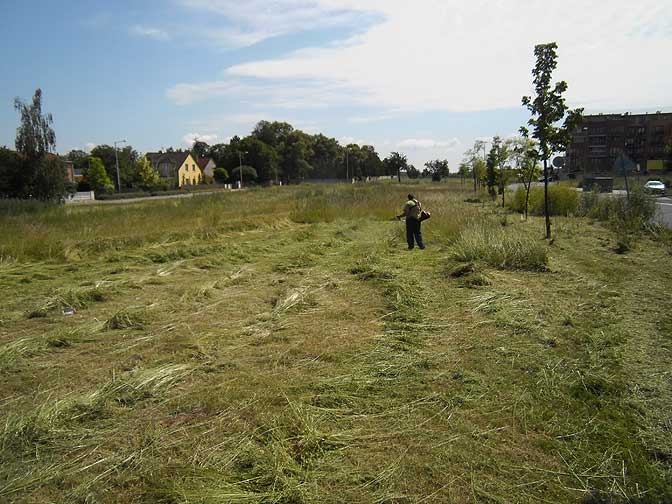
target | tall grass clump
x=637, y=211
x=627, y=217
x=562, y=200
x=326, y=204
x=382, y=203
x=39, y=231
x=501, y=248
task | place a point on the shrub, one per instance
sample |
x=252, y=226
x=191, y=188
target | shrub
x=626, y=217
x=501, y=248
x=562, y=200
x=636, y=212
x=221, y=175
x=249, y=173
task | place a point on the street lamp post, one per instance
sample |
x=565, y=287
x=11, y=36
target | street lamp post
x=240, y=167
x=347, y=168
x=116, y=159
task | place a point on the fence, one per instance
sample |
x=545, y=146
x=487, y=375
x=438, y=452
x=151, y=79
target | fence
x=81, y=197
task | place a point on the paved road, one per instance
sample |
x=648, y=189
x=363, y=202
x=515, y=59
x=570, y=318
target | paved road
x=664, y=216
x=148, y=198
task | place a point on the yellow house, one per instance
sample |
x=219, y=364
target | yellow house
x=179, y=167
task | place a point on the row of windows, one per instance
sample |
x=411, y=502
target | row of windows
x=621, y=130
x=191, y=181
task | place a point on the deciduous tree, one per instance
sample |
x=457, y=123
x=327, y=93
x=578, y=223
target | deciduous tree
x=294, y=153
x=525, y=162
x=260, y=156
x=249, y=173
x=200, y=149
x=327, y=158
x=127, y=163
x=394, y=164
x=438, y=169
x=491, y=164
x=412, y=172
x=41, y=174
x=548, y=109
x=98, y=177
x=146, y=174
x=34, y=137
x=11, y=174
x=464, y=171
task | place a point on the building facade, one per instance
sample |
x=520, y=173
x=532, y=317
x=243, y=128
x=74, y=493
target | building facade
x=207, y=167
x=178, y=167
x=600, y=139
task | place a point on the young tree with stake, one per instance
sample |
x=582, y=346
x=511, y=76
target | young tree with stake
x=524, y=155
x=548, y=108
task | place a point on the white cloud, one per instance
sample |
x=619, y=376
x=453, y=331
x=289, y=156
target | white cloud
x=150, y=32
x=190, y=138
x=89, y=146
x=369, y=119
x=428, y=143
x=253, y=21
x=186, y=94
x=477, y=55
x=247, y=120
x=277, y=94
x=348, y=140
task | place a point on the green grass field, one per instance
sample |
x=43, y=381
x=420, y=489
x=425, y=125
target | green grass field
x=281, y=345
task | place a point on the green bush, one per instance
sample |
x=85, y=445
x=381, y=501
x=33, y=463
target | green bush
x=636, y=212
x=562, y=200
x=221, y=175
x=627, y=217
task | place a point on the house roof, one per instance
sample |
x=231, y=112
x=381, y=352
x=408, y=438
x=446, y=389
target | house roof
x=203, y=162
x=176, y=158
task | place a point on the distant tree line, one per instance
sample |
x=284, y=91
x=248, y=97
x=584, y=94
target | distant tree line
x=272, y=152
x=276, y=151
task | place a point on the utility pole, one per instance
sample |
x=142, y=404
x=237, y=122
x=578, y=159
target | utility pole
x=347, y=168
x=240, y=167
x=116, y=159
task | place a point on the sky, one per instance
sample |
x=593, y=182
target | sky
x=424, y=77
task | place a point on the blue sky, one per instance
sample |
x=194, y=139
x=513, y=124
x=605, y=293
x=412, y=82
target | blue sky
x=424, y=78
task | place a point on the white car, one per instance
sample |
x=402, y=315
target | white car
x=655, y=187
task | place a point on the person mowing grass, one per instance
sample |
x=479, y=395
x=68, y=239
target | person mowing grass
x=414, y=216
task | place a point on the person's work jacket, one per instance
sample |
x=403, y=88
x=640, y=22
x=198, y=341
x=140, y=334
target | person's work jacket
x=412, y=209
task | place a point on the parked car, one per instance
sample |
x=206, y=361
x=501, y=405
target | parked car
x=655, y=187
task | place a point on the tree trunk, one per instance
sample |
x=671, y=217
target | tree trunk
x=527, y=196
x=473, y=170
x=548, y=217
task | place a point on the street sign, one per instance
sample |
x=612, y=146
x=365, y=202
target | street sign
x=623, y=164
x=559, y=161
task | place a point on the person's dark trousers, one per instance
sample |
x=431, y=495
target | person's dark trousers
x=414, y=233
